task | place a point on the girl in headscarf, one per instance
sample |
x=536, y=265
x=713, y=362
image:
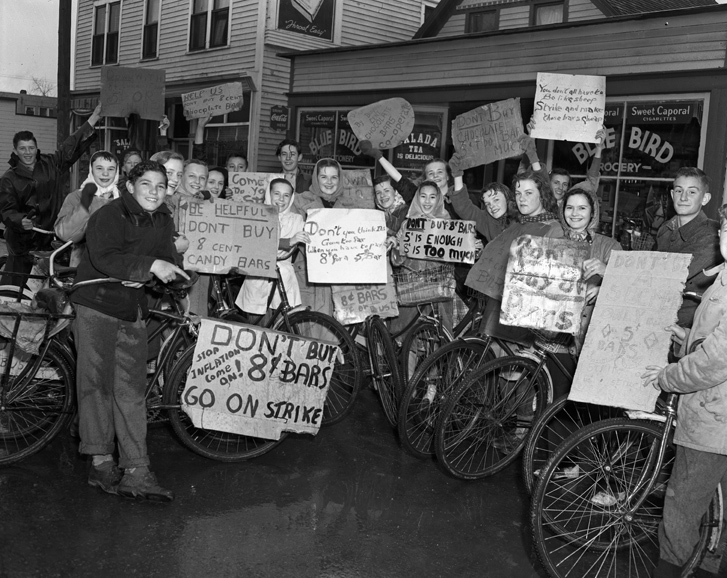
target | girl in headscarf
x=392, y=203
x=99, y=188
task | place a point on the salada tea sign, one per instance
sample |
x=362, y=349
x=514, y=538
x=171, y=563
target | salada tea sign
x=544, y=287
x=640, y=296
x=225, y=235
x=257, y=382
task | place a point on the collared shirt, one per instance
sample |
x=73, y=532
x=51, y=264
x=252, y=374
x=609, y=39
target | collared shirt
x=700, y=238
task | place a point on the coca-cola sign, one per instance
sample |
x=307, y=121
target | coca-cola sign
x=279, y=118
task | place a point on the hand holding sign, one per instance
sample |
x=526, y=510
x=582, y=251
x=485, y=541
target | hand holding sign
x=385, y=123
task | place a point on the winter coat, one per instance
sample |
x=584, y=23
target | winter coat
x=701, y=376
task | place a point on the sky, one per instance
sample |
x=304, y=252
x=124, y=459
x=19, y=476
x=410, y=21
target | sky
x=28, y=42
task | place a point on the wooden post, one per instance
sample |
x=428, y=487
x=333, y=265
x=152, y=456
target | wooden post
x=64, y=71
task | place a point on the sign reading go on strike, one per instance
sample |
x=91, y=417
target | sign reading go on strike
x=640, y=295
x=347, y=246
x=213, y=101
x=448, y=240
x=257, y=382
x=385, y=123
x=544, y=287
x=127, y=90
x=488, y=133
x=226, y=235
x=569, y=107
x=251, y=187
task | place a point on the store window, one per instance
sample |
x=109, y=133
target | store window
x=150, y=42
x=228, y=133
x=481, y=21
x=326, y=133
x=548, y=13
x=209, y=24
x=105, y=42
x=649, y=139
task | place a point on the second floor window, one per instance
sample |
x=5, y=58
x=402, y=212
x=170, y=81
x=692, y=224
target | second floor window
x=481, y=21
x=105, y=44
x=209, y=24
x=151, y=29
x=548, y=13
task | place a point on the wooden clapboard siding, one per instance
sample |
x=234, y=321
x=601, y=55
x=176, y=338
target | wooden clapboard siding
x=374, y=21
x=514, y=17
x=276, y=79
x=43, y=128
x=583, y=10
x=691, y=41
x=173, y=57
x=455, y=25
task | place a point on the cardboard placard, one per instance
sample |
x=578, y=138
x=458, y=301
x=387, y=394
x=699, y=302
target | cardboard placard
x=569, y=107
x=639, y=297
x=127, y=90
x=358, y=190
x=356, y=303
x=449, y=240
x=213, y=101
x=347, y=246
x=488, y=133
x=544, y=287
x=257, y=382
x=226, y=235
x=385, y=123
x=251, y=187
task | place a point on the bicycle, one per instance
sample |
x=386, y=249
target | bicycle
x=601, y=519
x=347, y=376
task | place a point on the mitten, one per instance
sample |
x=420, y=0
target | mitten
x=368, y=150
x=87, y=194
x=528, y=144
x=455, y=165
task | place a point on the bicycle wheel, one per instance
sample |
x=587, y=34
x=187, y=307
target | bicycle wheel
x=384, y=368
x=430, y=387
x=485, y=424
x=582, y=518
x=419, y=343
x=39, y=402
x=559, y=420
x=217, y=445
x=155, y=414
x=347, y=376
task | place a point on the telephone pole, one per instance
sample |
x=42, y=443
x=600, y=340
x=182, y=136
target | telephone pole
x=64, y=70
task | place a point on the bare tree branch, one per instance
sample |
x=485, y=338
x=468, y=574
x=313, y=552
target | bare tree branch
x=42, y=86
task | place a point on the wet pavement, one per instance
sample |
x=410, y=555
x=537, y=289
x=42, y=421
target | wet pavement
x=347, y=503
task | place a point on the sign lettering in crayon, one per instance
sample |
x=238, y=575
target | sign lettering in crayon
x=257, y=382
x=347, y=246
x=358, y=190
x=447, y=240
x=639, y=297
x=225, y=235
x=251, y=187
x=569, y=107
x=544, y=287
x=213, y=101
x=356, y=303
x=488, y=133
x=132, y=90
x=385, y=123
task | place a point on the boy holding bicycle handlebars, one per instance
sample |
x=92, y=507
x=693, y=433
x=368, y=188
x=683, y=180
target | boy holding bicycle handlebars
x=701, y=431
x=129, y=239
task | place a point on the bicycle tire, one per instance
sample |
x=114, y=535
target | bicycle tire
x=559, y=420
x=485, y=424
x=384, y=368
x=347, y=377
x=430, y=387
x=581, y=523
x=37, y=407
x=419, y=343
x=216, y=445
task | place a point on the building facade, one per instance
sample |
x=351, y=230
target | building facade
x=20, y=111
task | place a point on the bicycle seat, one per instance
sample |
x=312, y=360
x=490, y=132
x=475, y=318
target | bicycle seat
x=62, y=270
x=41, y=254
x=52, y=300
x=179, y=283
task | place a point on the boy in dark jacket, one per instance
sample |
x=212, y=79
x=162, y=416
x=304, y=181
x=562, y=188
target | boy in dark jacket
x=130, y=238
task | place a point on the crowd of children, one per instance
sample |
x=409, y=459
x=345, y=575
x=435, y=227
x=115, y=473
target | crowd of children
x=123, y=221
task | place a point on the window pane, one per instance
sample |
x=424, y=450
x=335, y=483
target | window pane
x=150, y=41
x=114, y=12
x=549, y=14
x=198, y=31
x=218, y=34
x=482, y=21
x=152, y=11
x=112, y=48
x=100, y=20
x=97, y=49
x=222, y=4
x=199, y=6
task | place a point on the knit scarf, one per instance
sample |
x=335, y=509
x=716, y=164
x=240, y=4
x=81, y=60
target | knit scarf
x=540, y=218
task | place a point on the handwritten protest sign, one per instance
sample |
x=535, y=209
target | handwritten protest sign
x=544, y=286
x=251, y=187
x=213, y=101
x=440, y=240
x=132, y=90
x=569, y=107
x=257, y=382
x=347, y=246
x=639, y=297
x=356, y=303
x=358, y=190
x=488, y=133
x=226, y=235
x=385, y=123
